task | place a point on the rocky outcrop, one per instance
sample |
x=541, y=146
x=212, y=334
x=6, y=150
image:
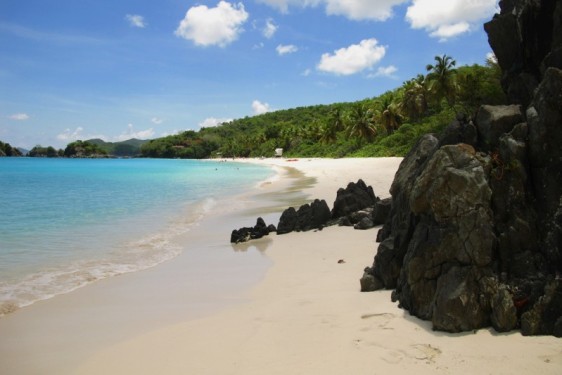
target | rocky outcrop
x=309, y=216
x=356, y=205
x=474, y=236
x=544, y=317
x=382, y=211
x=355, y=197
x=244, y=234
x=527, y=40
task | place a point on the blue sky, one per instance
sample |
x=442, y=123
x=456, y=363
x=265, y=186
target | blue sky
x=79, y=69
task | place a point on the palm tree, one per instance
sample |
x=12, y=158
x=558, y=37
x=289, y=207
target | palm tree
x=414, y=102
x=314, y=130
x=469, y=91
x=386, y=113
x=442, y=78
x=360, y=123
x=333, y=125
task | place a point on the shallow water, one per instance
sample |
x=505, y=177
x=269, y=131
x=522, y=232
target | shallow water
x=65, y=223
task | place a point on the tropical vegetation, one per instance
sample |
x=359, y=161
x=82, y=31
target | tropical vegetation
x=387, y=125
x=84, y=149
x=7, y=150
x=45, y=152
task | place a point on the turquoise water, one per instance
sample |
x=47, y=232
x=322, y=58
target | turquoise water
x=67, y=222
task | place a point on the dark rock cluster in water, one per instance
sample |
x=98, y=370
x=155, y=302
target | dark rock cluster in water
x=244, y=234
x=356, y=205
x=474, y=237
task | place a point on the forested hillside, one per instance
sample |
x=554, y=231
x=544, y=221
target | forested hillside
x=128, y=148
x=7, y=150
x=387, y=125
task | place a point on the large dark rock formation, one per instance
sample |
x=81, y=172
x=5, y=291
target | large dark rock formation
x=474, y=236
x=356, y=205
x=309, y=216
x=355, y=197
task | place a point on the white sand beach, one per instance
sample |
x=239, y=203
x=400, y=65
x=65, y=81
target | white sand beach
x=285, y=304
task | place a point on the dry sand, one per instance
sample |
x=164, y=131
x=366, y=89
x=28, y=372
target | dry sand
x=302, y=315
x=308, y=316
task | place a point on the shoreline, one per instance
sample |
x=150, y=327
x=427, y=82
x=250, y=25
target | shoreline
x=56, y=250
x=282, y=304
x=56, y=334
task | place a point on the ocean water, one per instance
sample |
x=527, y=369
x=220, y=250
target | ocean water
x=65, y=223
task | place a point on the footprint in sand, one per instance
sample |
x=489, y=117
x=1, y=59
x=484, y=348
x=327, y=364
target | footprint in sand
x=426, y=352
x=394, y=357
x=383, y=319
x=388, y=355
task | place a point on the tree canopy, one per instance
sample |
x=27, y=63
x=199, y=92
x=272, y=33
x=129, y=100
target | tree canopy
x=7, y=150
x=387, y=125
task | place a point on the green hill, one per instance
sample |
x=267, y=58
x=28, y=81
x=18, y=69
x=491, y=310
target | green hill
x=128, y=148
x=387, y=125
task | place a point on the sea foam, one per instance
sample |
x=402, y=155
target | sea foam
x=136, y=220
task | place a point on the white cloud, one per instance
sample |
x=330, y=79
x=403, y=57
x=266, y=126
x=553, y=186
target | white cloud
x=136, y=20
x=306, y=73
x=212, y=122
x=492, y=57
x=270, y=29
x=71, y=135
x=213, y=26
x=445, y=19
x=377, y=10
x=78, y=134
x=353, y=59
x=173, y=132
x=131, y=133
x=284, y=50
x=260, y=108
x=156, y=120
x=445, y=32
x=19, y=117
x=385, y=71
x=283, y=5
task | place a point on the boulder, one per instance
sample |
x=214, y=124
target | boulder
x=369, y=283
x=381, y=211
x=309, y=216
x=312, y=216
x=504, y=312
x=494, y=121
x=364, y=223
x=462, y=130
x=251, y=233
x=355, y=197
x=357, y=216
x=287, y=221
x=458, y=305
x=546, y=315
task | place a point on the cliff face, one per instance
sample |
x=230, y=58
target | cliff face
x=475, y=232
